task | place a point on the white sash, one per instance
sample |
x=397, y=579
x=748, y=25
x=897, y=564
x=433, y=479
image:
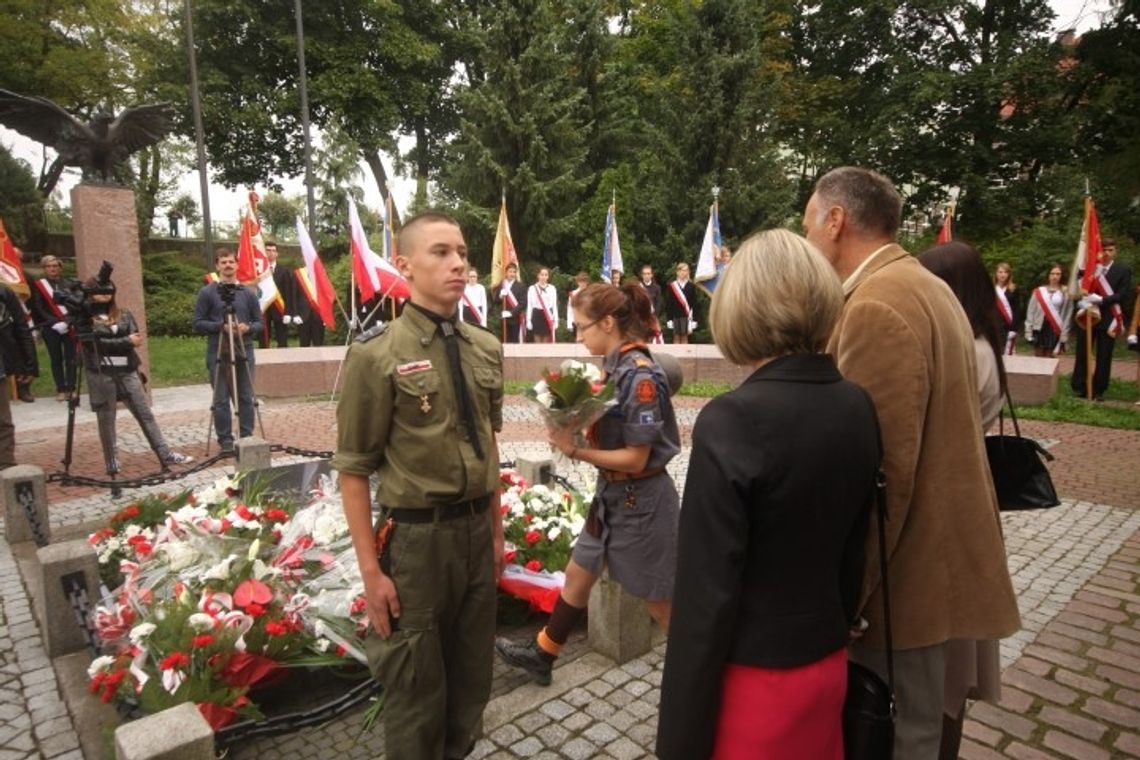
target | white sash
x=1049, y=309
x=1117, y=313
x=1004, y=307
x=509, y=297
x=679, y=294
x=48, y=293
x=545, y=309
x=479, y=317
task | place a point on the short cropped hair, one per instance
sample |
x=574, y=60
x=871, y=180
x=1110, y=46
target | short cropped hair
x=780, y=296
x=421, y=218
x=221, y=253
x=872, y=204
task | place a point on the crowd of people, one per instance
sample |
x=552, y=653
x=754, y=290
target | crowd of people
x=864, y=359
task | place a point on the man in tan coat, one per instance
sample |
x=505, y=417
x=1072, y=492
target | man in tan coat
x=904, y=337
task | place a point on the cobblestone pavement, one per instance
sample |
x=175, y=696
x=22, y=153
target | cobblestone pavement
x=1072, y=677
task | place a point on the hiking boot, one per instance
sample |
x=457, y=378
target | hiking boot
x=527, y=655
x=113, y=467
x=176, y=457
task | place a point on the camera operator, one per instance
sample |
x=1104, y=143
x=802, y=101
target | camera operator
x=18, y=358
x=107, y=346
x=50, y=319
x=230, y=316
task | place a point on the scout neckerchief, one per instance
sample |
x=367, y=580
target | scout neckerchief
x=1006, y=314
x=1049, y=309
x=545, y=309
x=679, y=294
x=48, y=294
x=1117, y=313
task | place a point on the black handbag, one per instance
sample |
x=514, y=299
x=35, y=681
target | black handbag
x=1020, y=477
x=869, y=708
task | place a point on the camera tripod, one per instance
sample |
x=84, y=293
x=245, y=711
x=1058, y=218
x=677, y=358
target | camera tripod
x=84, y=344
x=230, y=366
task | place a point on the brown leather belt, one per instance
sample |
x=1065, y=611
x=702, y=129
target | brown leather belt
x=467, y=508
x=613, y=476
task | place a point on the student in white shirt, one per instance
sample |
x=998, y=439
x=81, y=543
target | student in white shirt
x=473, y=305
x=542, y=308
x=583, y=280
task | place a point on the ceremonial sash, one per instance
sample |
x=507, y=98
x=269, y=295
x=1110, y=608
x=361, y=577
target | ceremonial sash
x=1117, y=323
x=545, y=309
x=48, y=294
x=509, y=298
x=1004, y=307
x=471, y=307
x=679, y=294
x=1047, y=307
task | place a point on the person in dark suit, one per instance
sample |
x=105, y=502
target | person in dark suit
x=770, y=554
x=279, y=315
x=510, y=295
x=1112, y=323
x=310, y=328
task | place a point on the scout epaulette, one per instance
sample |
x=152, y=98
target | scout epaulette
x=372, y=332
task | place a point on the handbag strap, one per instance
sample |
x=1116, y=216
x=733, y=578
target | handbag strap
x=1012, y=415
x=880, y=486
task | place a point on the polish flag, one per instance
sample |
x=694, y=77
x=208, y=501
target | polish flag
x=314, y=280
x=252, y=261
x=373, y=274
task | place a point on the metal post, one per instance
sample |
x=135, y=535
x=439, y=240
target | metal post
x=308, y=147
x=199, y=138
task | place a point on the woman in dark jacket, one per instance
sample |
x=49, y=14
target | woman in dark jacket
x=773, y=524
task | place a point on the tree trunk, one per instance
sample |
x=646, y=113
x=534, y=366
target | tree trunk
x=372, y=158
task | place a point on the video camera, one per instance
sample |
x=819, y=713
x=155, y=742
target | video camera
x=74, y=295
x=227, y=291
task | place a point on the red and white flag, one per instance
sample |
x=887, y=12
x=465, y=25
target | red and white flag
x=314, y=280
x=373, y=274
x=252, y=261
x=11, y=268
x=946, y=234
x=1088, y=253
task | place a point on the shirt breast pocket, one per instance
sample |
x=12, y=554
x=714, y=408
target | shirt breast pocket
x=418, y=401
x=488, y=381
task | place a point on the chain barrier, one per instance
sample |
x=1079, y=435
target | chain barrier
x=25, y=493
x=166, y=476
x=75, y=590
x=294, y=451
x=290, y=722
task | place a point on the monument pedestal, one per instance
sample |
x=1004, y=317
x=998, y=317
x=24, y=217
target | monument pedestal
x=106, y=229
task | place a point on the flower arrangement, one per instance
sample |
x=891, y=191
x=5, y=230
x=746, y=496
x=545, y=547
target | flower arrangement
x=572, y=398
x=220, y=590
x=540, y=525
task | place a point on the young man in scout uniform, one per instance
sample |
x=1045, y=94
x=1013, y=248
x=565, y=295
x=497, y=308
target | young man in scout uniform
x=422, y=403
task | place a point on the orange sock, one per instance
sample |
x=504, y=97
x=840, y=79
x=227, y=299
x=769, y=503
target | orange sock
x=547, y=644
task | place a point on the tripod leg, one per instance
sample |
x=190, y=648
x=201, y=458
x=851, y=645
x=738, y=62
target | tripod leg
x=72, y=403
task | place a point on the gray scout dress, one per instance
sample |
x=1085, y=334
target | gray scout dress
x=633, y=523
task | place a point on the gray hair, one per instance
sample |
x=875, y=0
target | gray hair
x=872, y=204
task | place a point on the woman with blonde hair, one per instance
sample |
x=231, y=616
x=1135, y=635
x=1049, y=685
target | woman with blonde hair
x=1008, y=303
x=773, y=523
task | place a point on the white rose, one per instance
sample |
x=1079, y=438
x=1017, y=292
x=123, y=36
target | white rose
x=546, y=399
x=553, y=533
x=179, y=554
x=592, y=373
x=326, y=529
x=99, y=664
x=141, y=631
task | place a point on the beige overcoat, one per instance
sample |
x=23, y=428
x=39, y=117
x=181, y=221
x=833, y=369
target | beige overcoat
x=904, y=337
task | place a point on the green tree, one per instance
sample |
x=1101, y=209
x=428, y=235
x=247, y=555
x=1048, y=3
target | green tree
x=21, y=205
x=186, y=206
x=280, y=213
x=521, y=133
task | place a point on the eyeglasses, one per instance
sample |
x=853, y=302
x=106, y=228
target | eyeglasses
x=588, y=325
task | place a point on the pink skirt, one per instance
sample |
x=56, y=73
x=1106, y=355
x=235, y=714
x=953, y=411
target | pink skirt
x=774, y=713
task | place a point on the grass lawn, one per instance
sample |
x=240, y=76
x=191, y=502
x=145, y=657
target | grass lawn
x=173, y=361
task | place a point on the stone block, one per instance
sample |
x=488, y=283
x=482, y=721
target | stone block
x=1032, y=379
x=66, y=564
x=619, y=624
x=253, y=454
x=24, y=491
x=535, y=471
x=177, y=733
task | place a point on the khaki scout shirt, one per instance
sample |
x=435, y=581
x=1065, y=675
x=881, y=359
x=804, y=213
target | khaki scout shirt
x=398, y=414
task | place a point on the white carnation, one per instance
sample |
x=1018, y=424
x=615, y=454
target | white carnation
x=141, y=631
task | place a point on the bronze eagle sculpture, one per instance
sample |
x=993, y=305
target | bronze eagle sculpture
x=97, y=146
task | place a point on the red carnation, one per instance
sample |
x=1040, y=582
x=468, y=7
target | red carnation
x=532, y=537
x=534, y=566
x=204, y=640
x=173, y=661
x=276, y=628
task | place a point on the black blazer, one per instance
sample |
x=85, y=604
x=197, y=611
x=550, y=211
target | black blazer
x=772, y=532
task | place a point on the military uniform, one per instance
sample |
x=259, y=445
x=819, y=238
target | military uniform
x=635, y=515
x=399, y=416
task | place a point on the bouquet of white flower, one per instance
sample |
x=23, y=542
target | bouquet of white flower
x=574, y=397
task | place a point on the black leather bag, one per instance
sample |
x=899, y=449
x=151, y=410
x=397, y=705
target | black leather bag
x=869, y=708
x=868, y=716
x=1020, y=477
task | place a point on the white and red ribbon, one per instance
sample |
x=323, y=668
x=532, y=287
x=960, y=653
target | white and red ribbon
x=679, y=294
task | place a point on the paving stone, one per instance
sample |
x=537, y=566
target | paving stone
x=970, y=750
x=1082, y=683
x=532, y=721
x=601, y=733
x=1129, y=743
x=506, y=735
x=981, y=733
x=1004, y=721
x=577, y=721
x=1042, y=687
x=557, y=709
x=554, y=735
x=625, y=749
x=528, y=747
x=579, y=749
x=1024, y=752
x=1111, y=711
x=1072, y=723
x=1071, y=746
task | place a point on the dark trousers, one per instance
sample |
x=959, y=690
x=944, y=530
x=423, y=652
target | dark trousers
x=275, y=327
x=312, y=331
x=61, y=350
x=513, y=330
x=7, y=431
x=1103, y=344
x=222, y=377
